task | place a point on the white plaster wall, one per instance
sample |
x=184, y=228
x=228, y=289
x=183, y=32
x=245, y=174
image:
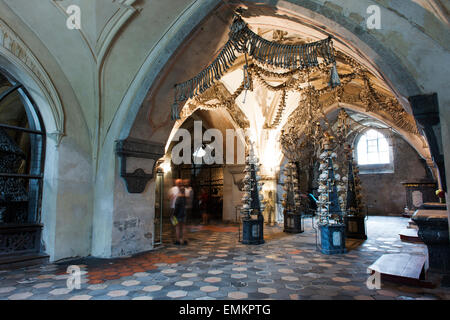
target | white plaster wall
x=73, y=225
x=231, y=194
x=133, y=221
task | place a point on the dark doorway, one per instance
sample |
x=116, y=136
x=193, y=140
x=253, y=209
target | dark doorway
x=209, y=178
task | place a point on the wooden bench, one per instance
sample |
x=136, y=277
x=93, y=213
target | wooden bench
x=410, y=235
x=403, y=268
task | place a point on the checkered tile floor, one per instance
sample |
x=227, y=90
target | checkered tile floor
x=214, y=265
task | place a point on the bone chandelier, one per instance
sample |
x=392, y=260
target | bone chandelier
x=243, y=40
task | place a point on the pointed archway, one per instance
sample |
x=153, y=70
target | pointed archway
x=145, y=110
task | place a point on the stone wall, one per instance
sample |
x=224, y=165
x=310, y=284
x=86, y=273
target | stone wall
x=384, y=193
x=232, y=174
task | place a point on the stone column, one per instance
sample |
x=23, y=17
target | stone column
x=123, y=221
x=427, y=114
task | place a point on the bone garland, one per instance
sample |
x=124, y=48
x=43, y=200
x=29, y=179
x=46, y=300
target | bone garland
x=373, y=103
x=280, y=55
x=243, y=40
x=205, y=79
x=279, y=114
x=353, y=204
x=311, y=110
x=175, y=112
x=334, y=78
x=226, y=103
x=300, y=73
x=283, y=86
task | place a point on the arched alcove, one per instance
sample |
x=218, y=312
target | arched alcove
x=66, y=221
x=22, y=135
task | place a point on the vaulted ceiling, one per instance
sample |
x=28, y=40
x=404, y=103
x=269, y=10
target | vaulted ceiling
x=278, y=98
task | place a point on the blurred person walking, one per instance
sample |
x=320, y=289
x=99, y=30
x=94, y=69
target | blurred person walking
x=203, y=201
x=189, y=193
x=177, y=196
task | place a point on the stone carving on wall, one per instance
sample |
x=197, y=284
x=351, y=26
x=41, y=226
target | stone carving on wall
x=15, y=50
x=15, y=239
x=237, y=172
x=417, y=198
x=136, y=181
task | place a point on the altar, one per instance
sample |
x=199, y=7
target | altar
x=434, y=232
x=418, y=193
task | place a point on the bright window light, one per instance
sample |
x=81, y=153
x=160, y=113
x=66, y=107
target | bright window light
x=199, y=153
x=373, y=148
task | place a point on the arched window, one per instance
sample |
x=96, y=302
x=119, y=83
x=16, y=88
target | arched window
x=373, y=148
x=22, y=145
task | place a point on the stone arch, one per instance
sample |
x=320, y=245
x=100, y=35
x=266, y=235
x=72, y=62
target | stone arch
x=225, y=114
x=416, y=141
x=17, y=59
x=230, y=112
x=142, y=115
x=367, y=46
x=67, y=183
